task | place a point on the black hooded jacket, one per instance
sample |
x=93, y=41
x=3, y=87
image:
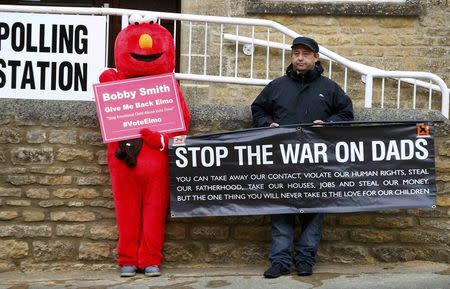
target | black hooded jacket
x=295, y=98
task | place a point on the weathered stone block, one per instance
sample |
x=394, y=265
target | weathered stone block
x=70, y=230
x=107, y=193
x=10, y=192
x=36, y=136
x=12, y=170
x=436, y=223
x=33, y=216
x=18, y=203
x=53, y=250
x=207, y=232
x=6, y=266
x=21, y=231
x=185, y=252
x=394, y=253
x=72, y=216
x=423, y=237
x=109, y=214
x=221, y=253
x=4, y=118
x=355, y=220
x=8, y=135
x=443, y=200
x=376, y=236
x=47, y=170
x=8, y=215
x=70, y=154
x=13, y=249
x=91, y=138
x=63, y=137
x=21, y=180
x=175, y=231
x=86, y=169
x=103, y=204
x=38, y=193
x=51, y=203
x=102, y=158
x=105, y=232
x=32, y=155
x=92, y=180
x=394, y=222
x=342, y=253
x=252, y=233
x=397, y=22
x=55, y=180
x=435, y=253
x=378, y=52
x=94, y=251
x=255, y=253
x=82, y=193
x=429, y=213
x=76, y=204
x=334, y=234
x=409, y=41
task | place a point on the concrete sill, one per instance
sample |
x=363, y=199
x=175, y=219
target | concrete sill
x=321, y=7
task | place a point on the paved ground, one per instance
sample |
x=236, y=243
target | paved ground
x=410, y=275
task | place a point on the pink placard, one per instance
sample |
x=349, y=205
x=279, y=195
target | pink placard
x=125, y=107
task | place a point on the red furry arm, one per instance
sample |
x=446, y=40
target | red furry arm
x=110, y=75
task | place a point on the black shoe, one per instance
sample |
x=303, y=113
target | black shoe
x=276, y=270
x=304, y=269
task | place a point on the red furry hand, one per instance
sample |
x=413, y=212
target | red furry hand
x=151, y=138
x=110, y=75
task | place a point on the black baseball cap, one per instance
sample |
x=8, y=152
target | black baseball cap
x=306, y=41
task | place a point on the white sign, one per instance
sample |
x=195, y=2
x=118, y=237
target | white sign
x=51, y=56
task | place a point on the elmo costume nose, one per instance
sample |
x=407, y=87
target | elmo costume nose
x=145, y=41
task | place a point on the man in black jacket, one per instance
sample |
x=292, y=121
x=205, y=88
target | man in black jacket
x=303, y=95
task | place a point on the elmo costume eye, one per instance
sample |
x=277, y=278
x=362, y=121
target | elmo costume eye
x=149, y=18
x=135, y=19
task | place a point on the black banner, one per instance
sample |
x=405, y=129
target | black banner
x=303, y=169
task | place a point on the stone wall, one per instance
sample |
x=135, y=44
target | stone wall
x=412, y=36
x=56, y=208
x=57, y=212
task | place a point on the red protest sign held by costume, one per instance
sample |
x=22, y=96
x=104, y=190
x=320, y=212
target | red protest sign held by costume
x=142, y=92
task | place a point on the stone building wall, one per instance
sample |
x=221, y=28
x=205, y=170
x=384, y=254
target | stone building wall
x=57, y=212
x=56, y=207
x=412, y=36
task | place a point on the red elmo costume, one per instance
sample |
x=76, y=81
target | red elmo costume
x=139, y=167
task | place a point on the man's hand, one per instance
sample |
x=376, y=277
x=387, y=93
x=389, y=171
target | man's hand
x=274, y=124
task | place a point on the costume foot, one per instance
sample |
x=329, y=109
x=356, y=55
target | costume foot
x=152, y=271
x=127, y=271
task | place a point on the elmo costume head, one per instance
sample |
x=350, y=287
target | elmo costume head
x=144, y=48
